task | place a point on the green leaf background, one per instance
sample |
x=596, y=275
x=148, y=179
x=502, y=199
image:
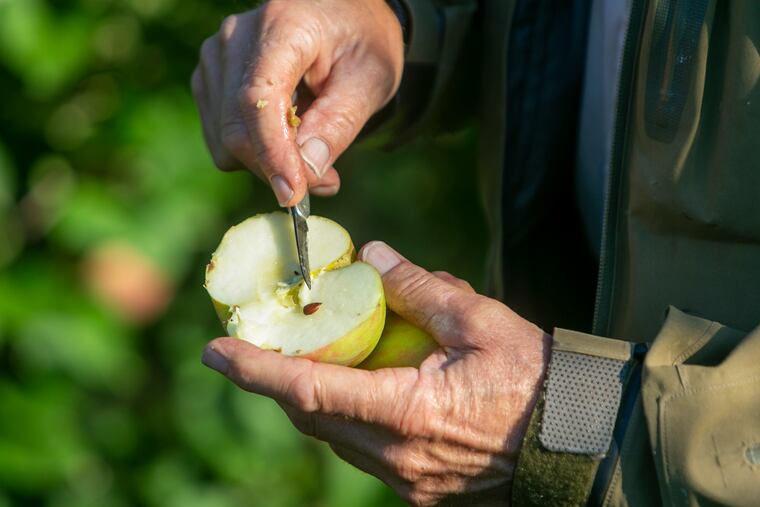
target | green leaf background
x=100, y=141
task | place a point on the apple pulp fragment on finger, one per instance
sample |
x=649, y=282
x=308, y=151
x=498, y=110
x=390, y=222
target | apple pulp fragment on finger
x=255, y=283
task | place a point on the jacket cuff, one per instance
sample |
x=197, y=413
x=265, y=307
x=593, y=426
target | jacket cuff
x=581, y=415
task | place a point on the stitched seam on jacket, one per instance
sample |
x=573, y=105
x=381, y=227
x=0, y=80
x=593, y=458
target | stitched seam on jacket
x=690, y=350
x=669, y=398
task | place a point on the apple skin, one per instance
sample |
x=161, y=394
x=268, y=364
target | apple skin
x=354, y=347
x=401, y=344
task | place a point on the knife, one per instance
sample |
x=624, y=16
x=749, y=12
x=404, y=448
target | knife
x=300, y=212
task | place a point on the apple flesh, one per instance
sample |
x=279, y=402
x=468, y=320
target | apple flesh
x=256, y=287
x=401, y=344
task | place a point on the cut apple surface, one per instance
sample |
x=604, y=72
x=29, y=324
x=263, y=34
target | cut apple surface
x=255, y=283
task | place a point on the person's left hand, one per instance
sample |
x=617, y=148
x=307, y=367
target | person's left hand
x=450, y=430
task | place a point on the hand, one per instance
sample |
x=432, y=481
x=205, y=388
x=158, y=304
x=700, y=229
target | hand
x=348, y=55
x=450, y=430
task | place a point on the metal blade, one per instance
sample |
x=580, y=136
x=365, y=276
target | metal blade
x=300, y=212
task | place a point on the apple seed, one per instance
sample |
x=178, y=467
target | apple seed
x=311, y=308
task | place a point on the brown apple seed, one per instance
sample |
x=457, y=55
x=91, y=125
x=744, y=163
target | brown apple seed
x=311, y=308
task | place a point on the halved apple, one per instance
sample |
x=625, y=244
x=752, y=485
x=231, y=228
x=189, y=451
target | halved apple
x=254, y=281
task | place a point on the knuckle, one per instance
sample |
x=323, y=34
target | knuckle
x=413, y=281
x=208, y=48
x=414, y=420
x=383, y=75
x=403, y=463
x=343, y=121
x=223, y=161
x=268, y=11
x=277, y=17
x=301, y=40
x=227, y=28
x=302, y=391
x=247, y=96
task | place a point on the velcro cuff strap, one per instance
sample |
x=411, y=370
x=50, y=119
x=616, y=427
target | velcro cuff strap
x=572, y=425
x=582, y=393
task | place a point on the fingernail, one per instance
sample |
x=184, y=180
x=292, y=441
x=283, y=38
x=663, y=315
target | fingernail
x=381, y=256
x=315, y=153
x=215, y=360
x=282, y=190
x=324, y=190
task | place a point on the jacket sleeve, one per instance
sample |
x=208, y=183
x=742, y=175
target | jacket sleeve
x=674, y=425
x=439, y=36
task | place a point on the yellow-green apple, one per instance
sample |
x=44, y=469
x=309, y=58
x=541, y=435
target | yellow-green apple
x=254, y=281
x=401, y=344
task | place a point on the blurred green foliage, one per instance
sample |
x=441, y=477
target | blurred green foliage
x=100, y=144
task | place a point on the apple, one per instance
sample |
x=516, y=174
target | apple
x=401, y=344
x=127, y=281
x=256, y=287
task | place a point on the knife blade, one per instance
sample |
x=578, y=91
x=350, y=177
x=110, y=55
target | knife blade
x=300, y=212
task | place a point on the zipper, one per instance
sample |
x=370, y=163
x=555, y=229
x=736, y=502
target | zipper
x=605, y=283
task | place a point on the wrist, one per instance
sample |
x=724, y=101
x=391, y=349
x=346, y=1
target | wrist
x=539, y=346
x=536, y=348
x=573, y=423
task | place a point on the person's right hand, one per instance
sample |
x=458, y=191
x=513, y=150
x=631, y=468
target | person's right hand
x=348, y=54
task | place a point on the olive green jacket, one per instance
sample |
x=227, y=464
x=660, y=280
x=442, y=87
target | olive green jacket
x=680, y=264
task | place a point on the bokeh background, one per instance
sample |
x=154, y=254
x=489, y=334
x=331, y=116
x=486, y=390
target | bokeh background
x=109, y=209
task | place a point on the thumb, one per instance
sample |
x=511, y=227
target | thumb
x=420, y=297
x=344, y=104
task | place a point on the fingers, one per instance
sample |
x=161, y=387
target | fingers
x=235, y=35
x=374, y=397
x=278, y=62
x=395, y=460
x=251, y=68
x=205, y=87
x=365, y=438
x=328, y=185
x=354, y=91
x=420, y=297
x=245, y=115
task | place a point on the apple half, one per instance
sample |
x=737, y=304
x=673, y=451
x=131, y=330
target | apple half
x=254, y=281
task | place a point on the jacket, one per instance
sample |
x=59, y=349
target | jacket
x=675, y=338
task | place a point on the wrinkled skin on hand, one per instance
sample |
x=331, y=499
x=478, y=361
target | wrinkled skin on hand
x=448, y=432
x=346, y=55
